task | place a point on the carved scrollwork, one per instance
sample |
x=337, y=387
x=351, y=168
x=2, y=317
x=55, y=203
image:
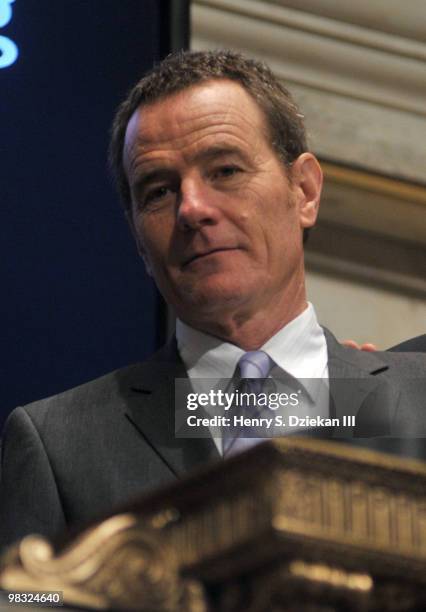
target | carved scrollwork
x=118, y=564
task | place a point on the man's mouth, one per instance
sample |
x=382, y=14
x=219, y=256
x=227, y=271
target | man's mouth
x=203, y=254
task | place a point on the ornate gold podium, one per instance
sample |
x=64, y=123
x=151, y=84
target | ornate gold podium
x=293, y=525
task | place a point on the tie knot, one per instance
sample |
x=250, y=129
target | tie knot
x=255, y=364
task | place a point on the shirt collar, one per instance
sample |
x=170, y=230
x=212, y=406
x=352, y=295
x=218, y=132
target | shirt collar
x=299, y=348
x=205, y=356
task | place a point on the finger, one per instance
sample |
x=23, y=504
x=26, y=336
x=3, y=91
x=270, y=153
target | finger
x=351, y=344
x=369, y=347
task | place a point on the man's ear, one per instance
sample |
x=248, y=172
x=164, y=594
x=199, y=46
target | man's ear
x=307, y=181
x=139, y=246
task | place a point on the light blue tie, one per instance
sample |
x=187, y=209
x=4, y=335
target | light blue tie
x=254, y=367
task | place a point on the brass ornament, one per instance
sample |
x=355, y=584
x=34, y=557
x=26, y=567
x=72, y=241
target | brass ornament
x=118, y=564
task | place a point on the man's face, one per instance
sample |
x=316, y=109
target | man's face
x=215, y=216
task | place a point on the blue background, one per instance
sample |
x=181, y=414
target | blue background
x=76, y=301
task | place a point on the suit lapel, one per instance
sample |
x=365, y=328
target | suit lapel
x=149, y=391
x=356, y=388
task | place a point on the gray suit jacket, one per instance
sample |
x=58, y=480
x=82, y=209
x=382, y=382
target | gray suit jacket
x=72, y=457
x=417, y=344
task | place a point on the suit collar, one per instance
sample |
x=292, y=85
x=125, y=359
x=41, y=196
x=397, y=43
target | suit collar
x=149, y=391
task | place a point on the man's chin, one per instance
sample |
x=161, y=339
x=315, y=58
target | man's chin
x=206, y=299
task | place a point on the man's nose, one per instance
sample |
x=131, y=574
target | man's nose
x=197, y=206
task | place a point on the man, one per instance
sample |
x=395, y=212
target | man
x=219, y=188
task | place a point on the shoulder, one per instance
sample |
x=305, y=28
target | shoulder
x=410, y=365
x=99, y=399
x=60, y=418
x=399, y=364
x=417, y=344
x=88, y=396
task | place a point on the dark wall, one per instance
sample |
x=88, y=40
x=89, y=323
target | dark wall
x=76, y=301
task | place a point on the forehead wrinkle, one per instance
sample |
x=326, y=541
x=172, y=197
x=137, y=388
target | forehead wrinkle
x=157, y=127
x=190, y=122
x=212, y=121
x=151, y=154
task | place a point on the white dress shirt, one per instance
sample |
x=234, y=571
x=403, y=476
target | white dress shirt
x=299, y=349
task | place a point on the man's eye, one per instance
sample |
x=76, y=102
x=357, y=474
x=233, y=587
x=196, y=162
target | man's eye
x=226, y=171
x=157, y=195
